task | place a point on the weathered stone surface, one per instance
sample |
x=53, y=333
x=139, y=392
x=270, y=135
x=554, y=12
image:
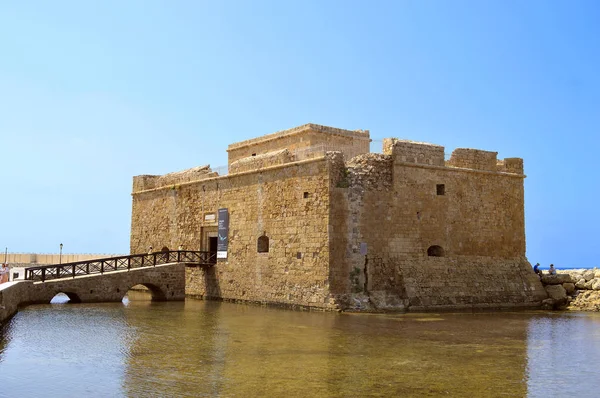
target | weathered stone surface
x=588, y=285
x=405, y=229
x=569, y=287
x=556, y=279
x=556, y=292
x=548, y=304
x=587, y=300
x=595, y=283
x=588, y=275
x=580, y=284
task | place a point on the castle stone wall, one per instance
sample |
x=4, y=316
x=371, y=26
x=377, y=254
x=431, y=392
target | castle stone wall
x=393, y=211
x=288, y=204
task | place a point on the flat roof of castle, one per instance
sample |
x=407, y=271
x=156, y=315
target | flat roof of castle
x=360, y=134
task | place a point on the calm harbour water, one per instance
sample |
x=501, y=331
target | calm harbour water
x=212, y=349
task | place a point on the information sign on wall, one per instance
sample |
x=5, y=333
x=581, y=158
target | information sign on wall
x=363, y=248
x=223, y=230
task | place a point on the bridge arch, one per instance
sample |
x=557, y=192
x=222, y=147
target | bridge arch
x=156, y=292
x=73, y=297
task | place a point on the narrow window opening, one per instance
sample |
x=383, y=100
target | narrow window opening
x=262, y=246
x=435, y=251
x=305, y=195
x=441, y=189
x=253, y=154
x=298, y=255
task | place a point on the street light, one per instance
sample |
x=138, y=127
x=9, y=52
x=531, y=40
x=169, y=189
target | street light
x=60, y=255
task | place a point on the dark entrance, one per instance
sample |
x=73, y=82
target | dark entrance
x=212, y=246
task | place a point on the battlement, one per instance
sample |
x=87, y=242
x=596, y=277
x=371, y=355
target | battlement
x=261, y=161
x=465, y=158
x=414, y=152
x=350, y=142
x=145, y=182
x=475, y=159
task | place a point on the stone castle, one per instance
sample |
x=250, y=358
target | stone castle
x=309, y=217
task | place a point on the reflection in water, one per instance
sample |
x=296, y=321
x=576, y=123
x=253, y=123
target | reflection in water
x=197, y=348
x=563, y=351
x=60, y=298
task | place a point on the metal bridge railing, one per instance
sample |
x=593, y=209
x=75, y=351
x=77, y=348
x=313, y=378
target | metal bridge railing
x=121, y=263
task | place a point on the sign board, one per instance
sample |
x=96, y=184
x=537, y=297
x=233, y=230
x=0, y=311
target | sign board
x=363, y=248
x=223, y=230
x=209, y=217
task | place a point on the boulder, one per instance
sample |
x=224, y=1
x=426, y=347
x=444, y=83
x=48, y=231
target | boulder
x=569, y=287
x=575, y=275
x=588, y=285
x=548, y=304
x=557, y=279
x=580, y=284
x=588, y=300
x=556, y=292
x=595, y=283
x=588, y=275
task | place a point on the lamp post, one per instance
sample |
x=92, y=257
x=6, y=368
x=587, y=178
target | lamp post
x=60, y=255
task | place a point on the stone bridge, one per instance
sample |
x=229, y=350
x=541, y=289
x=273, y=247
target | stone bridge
x=103, y=280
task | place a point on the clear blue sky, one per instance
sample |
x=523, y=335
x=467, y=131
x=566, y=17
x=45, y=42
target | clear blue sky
x=95, y=92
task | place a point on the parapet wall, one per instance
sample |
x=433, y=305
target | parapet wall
x=145, y=182
x=475, y=159
x=465, y=158
x=510, y=165
x=260, y=161
x=350, y=142
x=414, y=152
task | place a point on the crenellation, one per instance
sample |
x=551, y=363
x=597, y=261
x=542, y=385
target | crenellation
x=146, y=182
x=510, y=165
x=414, y=152
x=473, y=159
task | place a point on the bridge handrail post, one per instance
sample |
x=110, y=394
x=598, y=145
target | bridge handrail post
x=128, y=263
x=73, y=271
x=43, y=274
x=154, y=259
x=87, y=269
x=101, y=267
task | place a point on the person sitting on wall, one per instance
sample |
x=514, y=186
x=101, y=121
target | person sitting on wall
x=537, y=270
x=150, y=250
x=552, y=270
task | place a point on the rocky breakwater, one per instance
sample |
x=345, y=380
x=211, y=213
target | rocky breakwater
x=577, y=290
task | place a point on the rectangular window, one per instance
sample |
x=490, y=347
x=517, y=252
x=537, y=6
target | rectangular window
x=441, y=189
